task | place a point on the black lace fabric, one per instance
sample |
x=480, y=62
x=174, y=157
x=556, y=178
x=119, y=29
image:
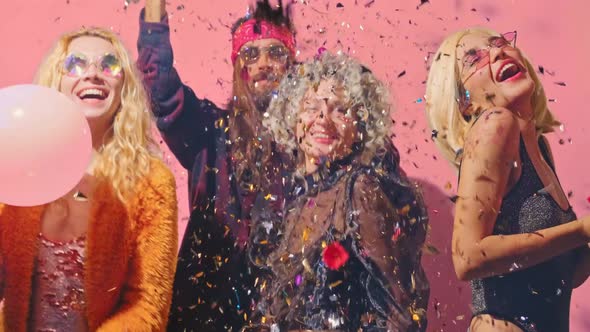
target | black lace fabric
x=373, y=222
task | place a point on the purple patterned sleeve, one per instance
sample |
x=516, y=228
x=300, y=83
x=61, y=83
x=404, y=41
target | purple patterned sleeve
x=185, y=121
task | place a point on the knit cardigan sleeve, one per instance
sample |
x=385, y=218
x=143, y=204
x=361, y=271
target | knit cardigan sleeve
x=148, y=290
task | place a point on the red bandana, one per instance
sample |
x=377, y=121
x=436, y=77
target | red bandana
x=245, y=33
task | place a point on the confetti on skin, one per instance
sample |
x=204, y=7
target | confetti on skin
x=305, y=236
x=401, y=74
x=80, y=197
x=431, y=249
x=560, y=83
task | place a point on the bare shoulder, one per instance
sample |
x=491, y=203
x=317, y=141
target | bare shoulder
x=497, y=122
x=496, y=133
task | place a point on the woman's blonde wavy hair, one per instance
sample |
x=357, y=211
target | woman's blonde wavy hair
x=367, y=96
x=443, y=92
x=126, y=158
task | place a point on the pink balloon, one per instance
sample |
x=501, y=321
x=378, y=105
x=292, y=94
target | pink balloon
x=45, y=145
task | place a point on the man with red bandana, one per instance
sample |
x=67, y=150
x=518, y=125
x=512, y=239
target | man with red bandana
x=228, y=156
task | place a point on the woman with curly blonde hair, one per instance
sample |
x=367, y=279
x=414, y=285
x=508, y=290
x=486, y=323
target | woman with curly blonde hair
x=346, y=256
x=102, y=257
x=515, y=236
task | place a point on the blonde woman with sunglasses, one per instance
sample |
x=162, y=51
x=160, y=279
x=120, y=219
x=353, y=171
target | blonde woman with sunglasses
x=515, y=236
x=101, y=258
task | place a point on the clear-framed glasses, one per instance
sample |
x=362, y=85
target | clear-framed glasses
x=251, y=54
x=474, y=60
x=76, y=65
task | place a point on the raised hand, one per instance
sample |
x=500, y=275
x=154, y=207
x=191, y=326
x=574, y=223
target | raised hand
x=154, y=10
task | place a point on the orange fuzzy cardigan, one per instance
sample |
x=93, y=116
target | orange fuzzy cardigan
x=130, y=259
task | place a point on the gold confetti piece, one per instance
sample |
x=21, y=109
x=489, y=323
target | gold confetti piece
x=448, y=186
x=405, y=210
x=415, y=317
x=306, y=266
x=200, y=274
x=335, y=283
x=112, y=289
x=305, y=234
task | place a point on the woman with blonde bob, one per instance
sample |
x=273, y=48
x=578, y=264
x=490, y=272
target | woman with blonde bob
x=102, y=257
x=515, y=236
x=346, y=256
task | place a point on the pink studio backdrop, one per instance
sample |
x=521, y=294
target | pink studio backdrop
x=392, y=38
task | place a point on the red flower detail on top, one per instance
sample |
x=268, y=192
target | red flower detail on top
x=335, y=256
